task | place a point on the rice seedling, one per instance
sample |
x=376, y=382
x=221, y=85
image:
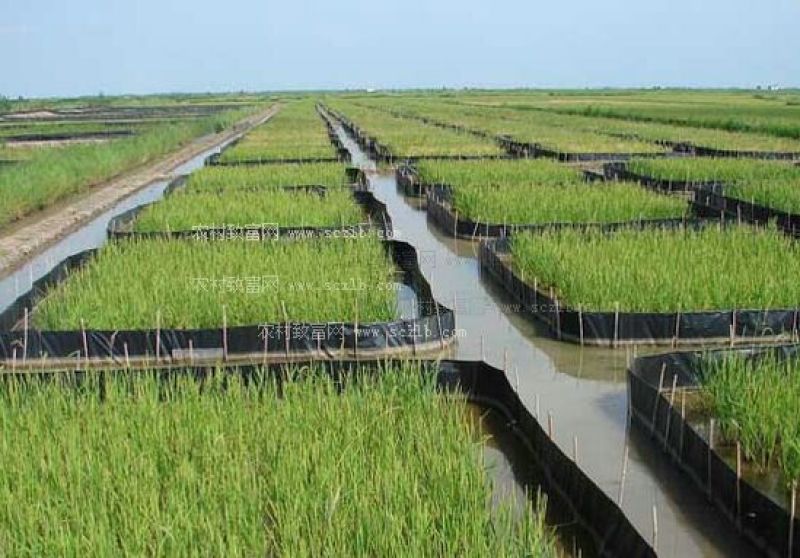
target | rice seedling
x=406, y=138
x=706, y=169
x=771, y=184
x=386, y=466
x=531, y=192
x=186, y=284
x=538, y=127
x=757, y=402
x=65, y=128
x=186, y=212
x=663, y=270
x=496, y=116
x=296, y=132
x=231, y=179
x=50, y=175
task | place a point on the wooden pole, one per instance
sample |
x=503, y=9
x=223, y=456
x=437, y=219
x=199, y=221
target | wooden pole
x=85, y=342
x=575, y=449
x=738, y=481
x=224, y=334
x=158, y=333
x=655, y=529
x=623, y=474
x=25, y=339
x=711, y=424
x=658, y=397
x=671, y=408
x=792, y=517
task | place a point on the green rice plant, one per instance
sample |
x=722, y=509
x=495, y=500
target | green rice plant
x=53, y=174
x=757, y=403
x=66, y=127
x=185, y=284
x=707, y=169
x=407, y=138
x=540, y=191
x=771, y=184
x=783, y=195
x=296, y=132
x=507, y=116
x=663, y=270
x=186, y=212
x=386, y=466
x=224, y=179
x=549, y=131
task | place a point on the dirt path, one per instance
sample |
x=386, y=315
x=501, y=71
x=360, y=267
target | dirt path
x=25, y=238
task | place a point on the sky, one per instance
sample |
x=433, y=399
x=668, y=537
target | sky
x=85, y=47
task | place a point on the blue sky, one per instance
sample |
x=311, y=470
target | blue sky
x=78, y=47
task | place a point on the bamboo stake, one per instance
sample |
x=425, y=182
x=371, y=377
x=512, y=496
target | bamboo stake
x=455, y=311
x=670, y=410
x=355, y=324
x=738, y=481
x=683, y=421
x=286, y=328
x=85, y=343
x=658, y=397
x=158, y=333
x=655, y=529
x=677, y=329
x=224, y=334
x=25, y=339
x=792, y=517
x=439, y=322
x=550, y=425
x=711, y=424
x=623, y=473
x=575, y=449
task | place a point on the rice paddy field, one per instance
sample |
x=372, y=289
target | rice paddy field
x=284, y=208
x=386, y=466
x=540, y=192
x=756, y=403
x=297, y=132
x=663, y=270
x=770, y=184
x=534, y=128
x=169, y=468
x=188, y=284
x=48, y=175
x=535, y=121
x=219, y=179
x=411, y=139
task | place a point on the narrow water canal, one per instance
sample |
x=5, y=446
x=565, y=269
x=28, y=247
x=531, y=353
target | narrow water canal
x=582, y=389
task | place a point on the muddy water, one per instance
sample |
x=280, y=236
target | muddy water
x=91, y=235
x=582, y=389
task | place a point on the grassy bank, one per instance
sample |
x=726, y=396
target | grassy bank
x=53, y=174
